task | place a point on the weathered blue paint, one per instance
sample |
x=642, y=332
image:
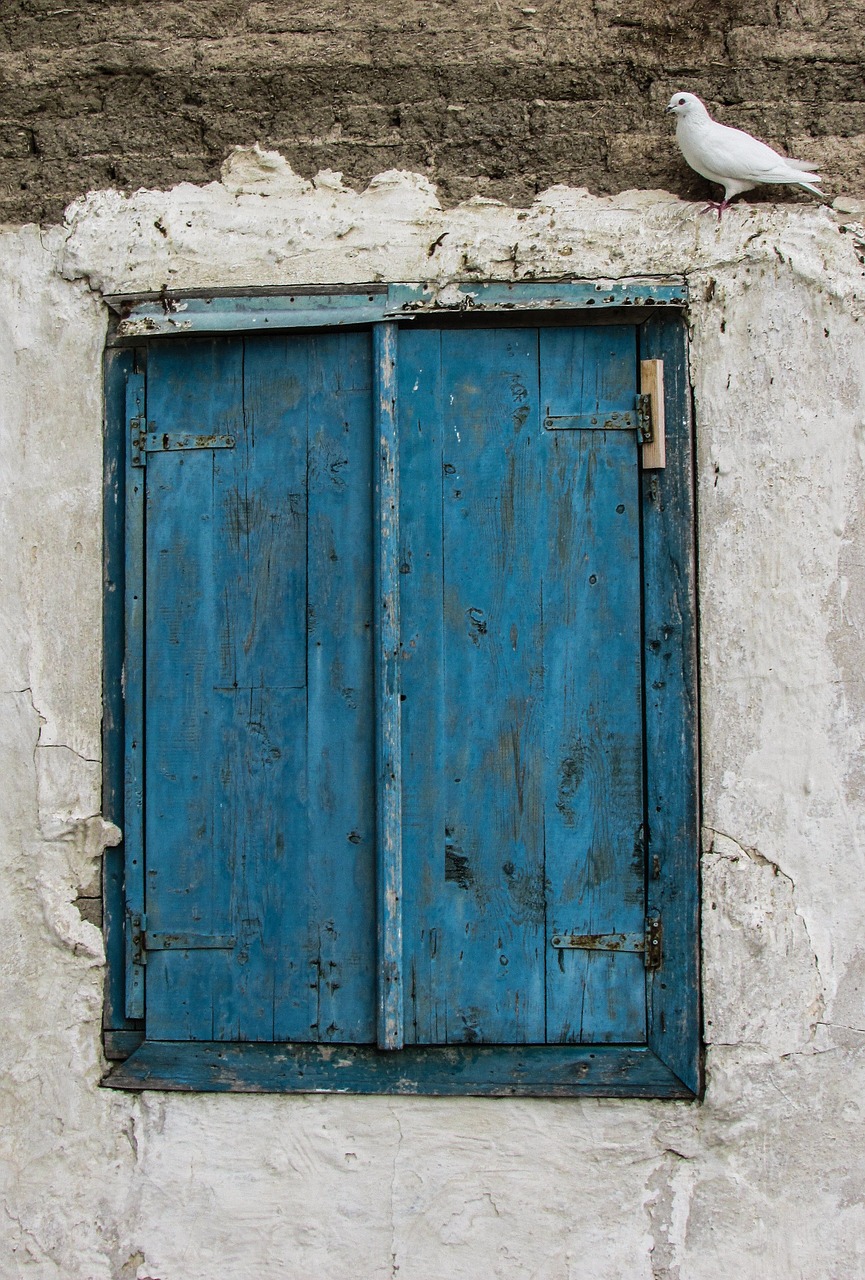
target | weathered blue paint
x=421, y=566
x=389, y=975
x=133, y=673
x=499, y=1071
x=480, y=969
x=185, y=313
x=672, y=716
x=259, y=725
x=523, y=770
x=118, y=367
x=593, y=688
x=341, y=716
x=510, y=585
x=539, y=295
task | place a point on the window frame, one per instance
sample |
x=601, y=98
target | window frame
x=669, y=1065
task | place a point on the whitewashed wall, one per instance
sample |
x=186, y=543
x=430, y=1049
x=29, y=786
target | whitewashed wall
x=766, y=1177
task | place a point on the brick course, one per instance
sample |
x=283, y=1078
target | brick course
x=484, y=96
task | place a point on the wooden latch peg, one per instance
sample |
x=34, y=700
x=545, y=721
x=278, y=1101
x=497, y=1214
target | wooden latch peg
x=652, y=402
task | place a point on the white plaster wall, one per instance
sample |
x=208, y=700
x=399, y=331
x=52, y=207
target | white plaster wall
x=766, y=1177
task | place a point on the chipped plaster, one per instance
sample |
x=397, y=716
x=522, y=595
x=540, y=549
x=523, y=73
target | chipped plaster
x=766, y=1176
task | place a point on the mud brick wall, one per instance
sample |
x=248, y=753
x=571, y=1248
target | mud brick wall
x=497, y=97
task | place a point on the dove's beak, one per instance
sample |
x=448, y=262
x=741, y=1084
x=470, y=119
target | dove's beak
x=668, y=111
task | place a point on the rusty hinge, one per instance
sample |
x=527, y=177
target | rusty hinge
x=144, y=940
x=598, y=941
x=654, y=940
x=144, y=441
x=644, y=418
x=647, y=944
x=601, y=420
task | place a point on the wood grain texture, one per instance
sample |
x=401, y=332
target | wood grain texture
x=340, y=859
x=119, y=365
x=263, y=309
x=259, y=691
x=593, y=688
x=672, y=716
x=134, y=767
x=389, y=869
x=558, y=1071
x=492, y=627
x=523, y=746
x=654, y=451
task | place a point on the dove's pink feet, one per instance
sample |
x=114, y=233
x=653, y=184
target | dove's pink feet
x=718, y=205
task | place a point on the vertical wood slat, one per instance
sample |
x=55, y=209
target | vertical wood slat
x=593, y=686
x=652, y=385
x=388, y=736
x=340, y=846
x=118, y=367
x=133, y=785
x=489, y=887
x=672, y=717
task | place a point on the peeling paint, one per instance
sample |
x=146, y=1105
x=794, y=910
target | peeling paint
x=102, y=1185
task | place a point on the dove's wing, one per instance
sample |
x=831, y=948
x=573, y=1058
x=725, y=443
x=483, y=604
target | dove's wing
x=731, y=153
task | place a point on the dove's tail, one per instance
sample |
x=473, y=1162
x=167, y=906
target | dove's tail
x=805, y=167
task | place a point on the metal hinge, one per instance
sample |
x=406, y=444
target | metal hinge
x=654, y=940
x=647, y=944
x=143, y=940
x=601, y=420
x=644, y=418
x=146, y=441
x=651, y=428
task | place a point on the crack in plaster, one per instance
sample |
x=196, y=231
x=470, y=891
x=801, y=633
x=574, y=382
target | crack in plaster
x=83, y=839
x=394, y=1265
x=64, y=746
x=711, y=837
x=752, y=854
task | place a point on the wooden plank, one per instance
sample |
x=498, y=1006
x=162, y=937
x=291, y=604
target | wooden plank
x=412, y=299
x=256, y=590
x=259, y=694
x=133, y=802
x=185, y=315
x=340, y=840
x=123, y=304
x=672, y=717
x=189, y=886
x=421, y=566
x=652, y=384
x=118, y=367
x=593, y=690
x=186, y=312
x=388, y=743
x=526, y=1071
x=485, y=981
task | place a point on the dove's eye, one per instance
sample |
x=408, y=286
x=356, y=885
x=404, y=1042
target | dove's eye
x=681, y=102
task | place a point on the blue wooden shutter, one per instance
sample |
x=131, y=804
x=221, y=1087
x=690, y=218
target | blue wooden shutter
x=259, y=744
x=522, y=719
x=541, y=627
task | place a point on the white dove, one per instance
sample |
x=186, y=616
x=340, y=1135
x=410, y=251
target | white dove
x=732, y=157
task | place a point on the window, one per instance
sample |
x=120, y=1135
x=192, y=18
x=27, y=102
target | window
x=403, y=743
